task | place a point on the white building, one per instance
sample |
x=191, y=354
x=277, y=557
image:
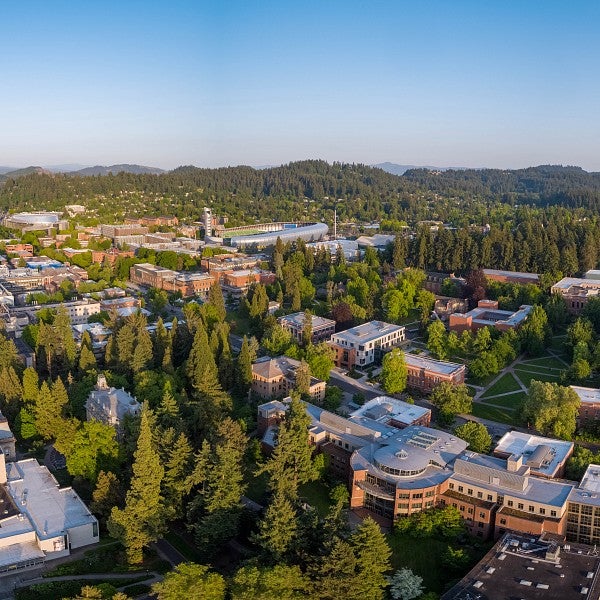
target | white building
x=110, y=405
x=39, y=520
x=362, y=345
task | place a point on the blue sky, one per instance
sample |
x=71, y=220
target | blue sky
x=500, y=84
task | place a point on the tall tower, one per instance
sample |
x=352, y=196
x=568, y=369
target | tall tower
x=207, y=221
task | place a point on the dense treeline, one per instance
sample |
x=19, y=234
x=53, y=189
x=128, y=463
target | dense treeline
x=311, y=189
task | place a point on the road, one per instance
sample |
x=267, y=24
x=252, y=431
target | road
x=352, y=386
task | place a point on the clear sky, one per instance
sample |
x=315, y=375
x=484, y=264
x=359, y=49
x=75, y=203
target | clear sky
x=505, y=83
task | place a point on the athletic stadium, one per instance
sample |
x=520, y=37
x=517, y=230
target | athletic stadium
x=263, y=235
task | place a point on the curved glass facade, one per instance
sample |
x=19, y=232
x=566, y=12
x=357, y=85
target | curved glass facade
x=308, y=233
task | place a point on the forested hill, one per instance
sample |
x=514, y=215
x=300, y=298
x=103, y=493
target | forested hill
x=309, y=189
x=545, y=185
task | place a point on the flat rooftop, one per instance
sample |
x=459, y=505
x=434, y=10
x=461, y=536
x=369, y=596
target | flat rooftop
x=50, y=509
x=542, y=455
x=368, y=332
x=519, y=567
x=513, y=274
x=492, y=474
x=588, y=491
x=578, y=284
x=384, y=409
x=586, y=394
x=431, y=364
x=297, y=320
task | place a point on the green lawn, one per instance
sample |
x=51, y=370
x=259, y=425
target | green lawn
x=511, y=401
x=481, y=382
x=506, y=383
x=502, y=415
x=547, y=362
x=316, y=494
x=527, y=376
x=422, y=556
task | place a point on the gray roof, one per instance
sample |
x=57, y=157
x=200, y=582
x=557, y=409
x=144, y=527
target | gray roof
x=431, y=364
x=367, y=332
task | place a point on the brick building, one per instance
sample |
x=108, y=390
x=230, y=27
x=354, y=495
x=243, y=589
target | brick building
x=487, y=314
x=425, y=373
x=576, y=292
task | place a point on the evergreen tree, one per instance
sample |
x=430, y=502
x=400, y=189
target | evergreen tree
x=141, y=521
x=177, y=469
x=291, y=463
x=372, y=559
x=218, y=482
x=31, y=385
x=87, y=360
x=211, y=401
x=302, y=378
x=244, y=369
x=142, y=355
x=278, y=528
x=307, y=329
x=216, y=300
x=49, y=409
x=107, y=493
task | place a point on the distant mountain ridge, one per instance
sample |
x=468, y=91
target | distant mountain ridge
x=396, y=169
x=114, y=169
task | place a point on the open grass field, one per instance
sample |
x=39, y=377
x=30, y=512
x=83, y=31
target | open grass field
x=316, y=494
x=506, y=383
x=502, y=415
x=422, y=556
x=512, y=401
x=546, y=362
x=527, y=376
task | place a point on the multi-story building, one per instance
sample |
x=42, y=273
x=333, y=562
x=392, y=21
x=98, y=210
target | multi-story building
x=583, y=517
x=364, y=344
x=394, y=466
x=589, y=407
x=511, y=276
x=235, y=284
x=425, y=373
x=40, y=521
x=487, y=314
x=445, y=306
x=546, y=457
x=110, y=405
x=116, y=231
x=276, y=377
x=224, y=263
x=188, y=284
x=322, y=329
x=576, y=292
x=110, y=256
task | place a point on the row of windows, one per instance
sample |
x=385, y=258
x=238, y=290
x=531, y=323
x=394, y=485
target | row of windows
x=510, y=503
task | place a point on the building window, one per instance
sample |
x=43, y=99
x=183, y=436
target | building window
x=470, y=492
x=482, y=515
x=542, y=511
x=531, y=508
x=520, y=506
x=510, y=502
x=480, y=494
x=460, y=488
x=502, y=521
x=552, y=513
x=490, y=498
